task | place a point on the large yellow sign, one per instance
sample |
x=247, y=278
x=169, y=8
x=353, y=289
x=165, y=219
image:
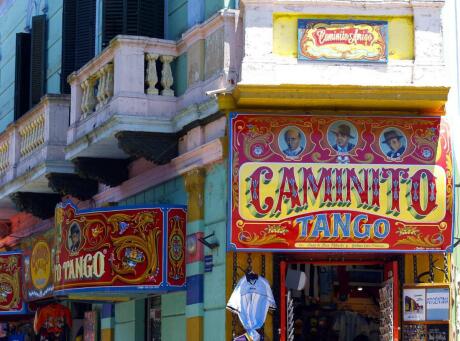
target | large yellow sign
x=276, y=191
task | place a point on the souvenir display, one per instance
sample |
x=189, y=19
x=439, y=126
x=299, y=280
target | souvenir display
x=251, y=299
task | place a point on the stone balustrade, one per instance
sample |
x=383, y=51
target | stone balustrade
x=4, y=159
x=127, y=67
x=32, y=134
x=36, y=137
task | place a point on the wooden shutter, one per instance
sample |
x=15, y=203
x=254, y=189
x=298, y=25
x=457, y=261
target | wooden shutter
x=38, y=59
x=69, y=17
x=78, y=37
x=151, y=18
x=132, y=17
x=22, y=75
x=85, y=32
x=112, y=20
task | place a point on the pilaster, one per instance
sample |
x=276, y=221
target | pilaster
x=194, y=185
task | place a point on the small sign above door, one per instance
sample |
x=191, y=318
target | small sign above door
x=342, y=40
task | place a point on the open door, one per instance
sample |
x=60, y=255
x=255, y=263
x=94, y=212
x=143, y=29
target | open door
x=391, y=278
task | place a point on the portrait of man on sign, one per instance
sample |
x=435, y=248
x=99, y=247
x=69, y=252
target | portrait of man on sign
x=292, y=141
x=74, y=240
x=393, y=143
x=341, y=137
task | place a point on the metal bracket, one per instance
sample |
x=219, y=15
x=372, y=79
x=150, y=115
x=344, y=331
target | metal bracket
x=211, y=245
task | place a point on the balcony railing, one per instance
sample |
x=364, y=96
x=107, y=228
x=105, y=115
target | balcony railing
x=36, y=138
x=130, y=66
x=131, y=86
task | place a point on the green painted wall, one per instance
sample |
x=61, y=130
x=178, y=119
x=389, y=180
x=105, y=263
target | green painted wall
x=130, y=321
x=179, y=69
x=14, y=20
x=215, y=220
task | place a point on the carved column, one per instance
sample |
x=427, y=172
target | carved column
x=152, y=77
x=84, y=97
x=88, y=101
x=108, y=89
x=167, y=76
x=100, y=88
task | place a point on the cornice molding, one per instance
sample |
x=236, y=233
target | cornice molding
x=426, y=100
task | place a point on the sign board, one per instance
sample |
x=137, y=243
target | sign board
x=414, y=304
x=11, y=299
x=119, y=249
x=437, y=304
x=304, y=183
x=38, y=274
x=342, y=40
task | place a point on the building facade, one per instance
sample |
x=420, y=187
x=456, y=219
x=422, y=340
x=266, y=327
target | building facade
x=129, y=103
x=236, y=112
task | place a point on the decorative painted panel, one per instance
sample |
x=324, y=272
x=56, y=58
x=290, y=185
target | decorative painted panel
x=119, y=249
x=11, y=299
x=38, y=272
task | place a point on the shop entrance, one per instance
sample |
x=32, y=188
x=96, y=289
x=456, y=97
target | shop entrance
x=339, y=301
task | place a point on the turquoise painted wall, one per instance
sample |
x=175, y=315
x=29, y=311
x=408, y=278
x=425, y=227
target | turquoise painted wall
x=184, y=14
x=14, y=19
x=215, y=220
x=455, y=258
x=173, y=324
x=170, y=192
x=130, y=321
x=177, y=19
x=211, y=7
x=179, y=69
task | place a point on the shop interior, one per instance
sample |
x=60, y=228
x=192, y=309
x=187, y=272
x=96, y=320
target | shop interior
x=338, y=303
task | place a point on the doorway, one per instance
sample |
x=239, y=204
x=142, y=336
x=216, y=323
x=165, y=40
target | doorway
x=339, y=301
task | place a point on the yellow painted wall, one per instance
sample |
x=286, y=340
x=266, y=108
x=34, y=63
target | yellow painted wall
x=400, y=33
x=256, y=265
x=423, y=266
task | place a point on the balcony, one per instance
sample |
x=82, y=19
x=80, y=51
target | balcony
x=33, y=147
x=130, y=91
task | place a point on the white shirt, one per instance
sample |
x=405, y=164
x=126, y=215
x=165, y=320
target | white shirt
x=251, y=302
